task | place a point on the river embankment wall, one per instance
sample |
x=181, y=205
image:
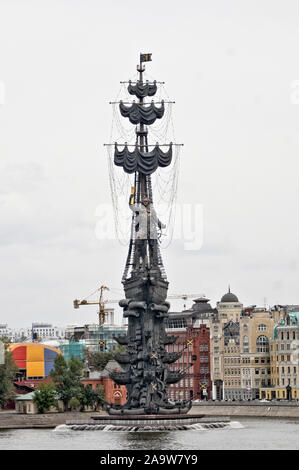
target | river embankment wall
x=248, y=409
x=12, y=420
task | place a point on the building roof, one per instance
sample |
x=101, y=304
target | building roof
x=200, y=309
x=229, y=297
x=99, y=374
x=26, y=396
x=13, y=346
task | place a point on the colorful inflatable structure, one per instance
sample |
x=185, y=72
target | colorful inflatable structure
x=35, y=360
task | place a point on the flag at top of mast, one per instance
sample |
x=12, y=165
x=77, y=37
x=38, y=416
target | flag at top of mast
x=145, y=58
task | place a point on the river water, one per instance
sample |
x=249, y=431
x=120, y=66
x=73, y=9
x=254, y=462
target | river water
x=246, y=433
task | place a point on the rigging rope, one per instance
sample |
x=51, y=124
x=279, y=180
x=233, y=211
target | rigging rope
x=164, y=180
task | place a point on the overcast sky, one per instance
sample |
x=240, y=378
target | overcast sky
x=232, y=68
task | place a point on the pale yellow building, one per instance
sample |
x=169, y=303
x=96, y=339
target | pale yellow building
x=256, y=330
x=240, y=350
x=229, y=312
x=284, y=359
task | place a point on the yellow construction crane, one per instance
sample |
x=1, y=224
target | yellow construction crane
x=101, y=303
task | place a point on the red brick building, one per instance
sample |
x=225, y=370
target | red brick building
x=114, y=393
x=192, y=328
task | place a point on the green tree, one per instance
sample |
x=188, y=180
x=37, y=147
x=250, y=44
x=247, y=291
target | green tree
x=8, y=372
x=89, y=397
x=76, y=370
x=86, y=397
x=5, y=339
x=66, y=377
x=45, y=397
x=97, y=360
x=74, y=404
x=99, y=394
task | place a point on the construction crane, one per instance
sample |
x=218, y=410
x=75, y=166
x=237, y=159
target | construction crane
x=102, y=302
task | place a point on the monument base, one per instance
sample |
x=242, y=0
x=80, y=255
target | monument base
x=149, y=423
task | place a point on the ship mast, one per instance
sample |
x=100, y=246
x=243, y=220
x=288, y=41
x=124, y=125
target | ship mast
x=145, y=363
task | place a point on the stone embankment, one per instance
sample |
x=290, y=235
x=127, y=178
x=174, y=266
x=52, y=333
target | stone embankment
x=271, y=409
x=12, y=420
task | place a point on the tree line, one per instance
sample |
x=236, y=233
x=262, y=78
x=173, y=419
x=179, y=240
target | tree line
x=66, y=387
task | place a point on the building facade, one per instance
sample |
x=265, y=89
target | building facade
x=228, y=311
x=193, y=339
x=284, y=358
x=95, y=338
x=5, y=332
x=116, y=394
x=240, y=350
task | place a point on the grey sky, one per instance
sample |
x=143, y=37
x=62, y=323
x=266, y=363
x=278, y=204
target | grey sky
x=229, y=65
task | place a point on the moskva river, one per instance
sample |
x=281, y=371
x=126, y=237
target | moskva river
x=246, y=433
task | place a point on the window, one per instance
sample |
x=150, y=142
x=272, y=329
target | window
x=245, y=344
x=262, y=344
x=262, y=327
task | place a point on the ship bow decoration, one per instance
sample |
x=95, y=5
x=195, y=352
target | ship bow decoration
x=145, y=162
x=139, y=113
x=142, y=90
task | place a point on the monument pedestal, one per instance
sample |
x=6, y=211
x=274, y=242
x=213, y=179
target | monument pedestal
x=149, y=423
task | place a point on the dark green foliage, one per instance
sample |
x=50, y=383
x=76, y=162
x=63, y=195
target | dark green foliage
x=89, y=397
x=8, y=372
x=45, y=397
x=99, y=394
x=74, y=404
x=66, y=377
x=5, y=339
x=97, y=360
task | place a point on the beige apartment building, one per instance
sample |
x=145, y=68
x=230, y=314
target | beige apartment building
x=229, y=311
x=240, y=350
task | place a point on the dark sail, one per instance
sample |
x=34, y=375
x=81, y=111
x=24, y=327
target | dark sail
x=142, y=90
x=141, y=114
x=144, y=162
